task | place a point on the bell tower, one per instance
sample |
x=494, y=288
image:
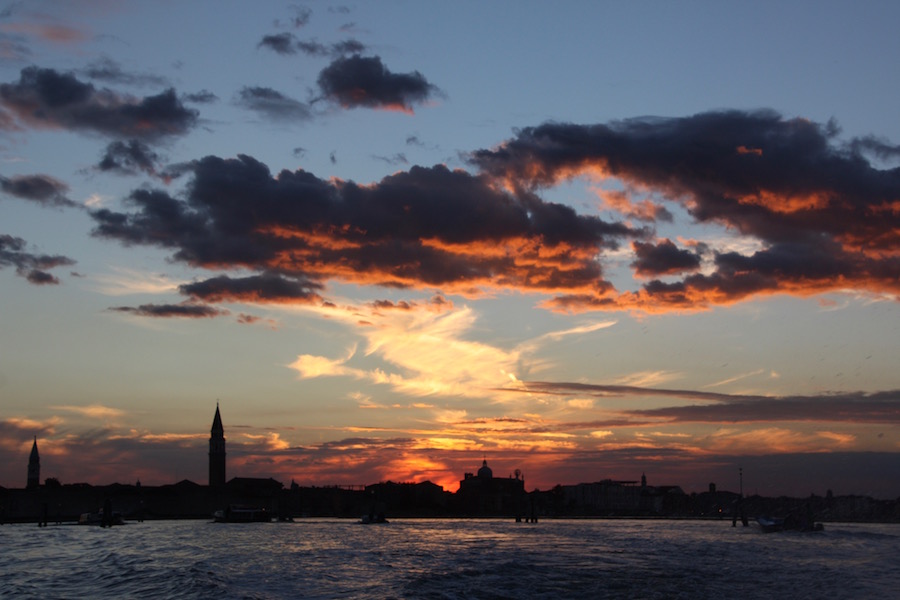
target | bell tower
x=34, y=467
x=217, y=452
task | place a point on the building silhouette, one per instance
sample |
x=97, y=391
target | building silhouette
x=217, y=452
x=484, y=494
x=34, y=467
x=480, y=494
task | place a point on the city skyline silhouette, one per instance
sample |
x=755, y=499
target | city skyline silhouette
x=584, y=241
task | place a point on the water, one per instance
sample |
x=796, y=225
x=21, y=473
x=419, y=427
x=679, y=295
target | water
x=473, y=559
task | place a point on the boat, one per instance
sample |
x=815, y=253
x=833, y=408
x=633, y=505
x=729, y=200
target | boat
x=238, y=513
x=98, y=518
x=373, y=519
x=788, y=523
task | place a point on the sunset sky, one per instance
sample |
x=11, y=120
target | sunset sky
x=586, y=240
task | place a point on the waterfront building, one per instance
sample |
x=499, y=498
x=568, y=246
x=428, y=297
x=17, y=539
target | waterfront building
x=484, y=494
x=606, y=497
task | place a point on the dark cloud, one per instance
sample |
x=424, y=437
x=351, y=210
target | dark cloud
x=41, y=278
x=282, y=43
x=358, y=81
x=272, y=104
x=42, y=189
x=882, y=407
x=349, y=46
x=129, y=158
x=825, y=216
x=48, y=98
x=287, y=44
x=775, y=180
x=879, y=148
x=33, y=267
x=185, y=309
x=850, y=407
x=390, y=305
x=643, y=210
x=664, y=258
x=439, y=302
x=175, y=170
x=301, y=16
x=268, y=287
x=107, y=70
x=338, y=49
x=603, y=391
x=428, y=227
x=201, y=97
x=311, y=48
x=397, y=159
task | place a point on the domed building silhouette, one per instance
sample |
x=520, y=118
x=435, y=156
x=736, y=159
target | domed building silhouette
x=484, y=494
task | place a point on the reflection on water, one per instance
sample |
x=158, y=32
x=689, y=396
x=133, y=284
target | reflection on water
x=320, y=558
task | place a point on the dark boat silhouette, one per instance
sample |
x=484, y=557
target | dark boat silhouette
x=238, y=513
x=788, y=523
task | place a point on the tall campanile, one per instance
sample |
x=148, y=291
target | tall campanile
x=217, y=452
x=34, y=467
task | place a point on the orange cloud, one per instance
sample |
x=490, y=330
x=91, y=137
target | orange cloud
x=780, y=202
x=93, y=411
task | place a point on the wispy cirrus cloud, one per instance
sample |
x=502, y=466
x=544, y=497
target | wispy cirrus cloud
x=424, y=352
x=122, y=281
x=425, y=349
x=19, y=431
x=92, y=411
x=738, y=377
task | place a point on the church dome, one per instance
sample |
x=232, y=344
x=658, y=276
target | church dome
x=485, y=471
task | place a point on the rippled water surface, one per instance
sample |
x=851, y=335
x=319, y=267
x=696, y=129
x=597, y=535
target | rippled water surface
x=319, y=558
